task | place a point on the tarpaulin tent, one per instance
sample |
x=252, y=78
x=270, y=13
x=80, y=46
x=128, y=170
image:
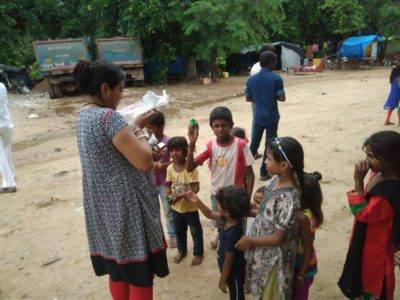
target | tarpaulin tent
x=289, y=55
x=359, y=46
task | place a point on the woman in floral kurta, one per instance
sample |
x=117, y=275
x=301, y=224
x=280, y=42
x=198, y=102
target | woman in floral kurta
x=278, y=210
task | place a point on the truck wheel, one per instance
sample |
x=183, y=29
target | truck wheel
x=50, y=90
x=57, y=91
x=139, y=83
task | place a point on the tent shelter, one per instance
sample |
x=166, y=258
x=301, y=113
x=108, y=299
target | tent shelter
x=359, y=47
x=289, y=55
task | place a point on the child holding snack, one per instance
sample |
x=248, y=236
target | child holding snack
x=185, y=214
x=233, y=205
x=230, y=159
x=156, y=128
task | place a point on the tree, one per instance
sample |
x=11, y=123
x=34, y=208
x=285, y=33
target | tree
x=218, y=27
x=346, y=16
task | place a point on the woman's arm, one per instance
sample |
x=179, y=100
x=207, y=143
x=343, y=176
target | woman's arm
x=305, y=238
x=133, y=144
x=134, y=148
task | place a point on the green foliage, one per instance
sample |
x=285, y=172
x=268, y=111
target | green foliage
x=346, y=16
x=208, y=29
x=34, y=71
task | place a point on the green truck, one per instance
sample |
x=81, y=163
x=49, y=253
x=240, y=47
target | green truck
x=125, y=52
x=57, y=60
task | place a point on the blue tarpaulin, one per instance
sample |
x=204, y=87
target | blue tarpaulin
x=354, y=47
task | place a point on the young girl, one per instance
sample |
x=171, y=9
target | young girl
x=369, y=266
x=233, y=205
x=394, y=97
x=156, y=128
x=272, y=243
x=310, y=218
x=184, y=213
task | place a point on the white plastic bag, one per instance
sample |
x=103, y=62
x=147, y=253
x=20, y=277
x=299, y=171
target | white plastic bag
x=150, y=100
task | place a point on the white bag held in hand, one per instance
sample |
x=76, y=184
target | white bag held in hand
x=150, y=100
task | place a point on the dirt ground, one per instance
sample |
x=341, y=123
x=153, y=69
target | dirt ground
x=44, y=251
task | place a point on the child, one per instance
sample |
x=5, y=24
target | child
x=230, y=159
x=394, y=97
x=156, y=127
x=272, y=243
x=310, y=218
x=240, y=133
x=369, y=266
x=184, y=213
x=233, y=205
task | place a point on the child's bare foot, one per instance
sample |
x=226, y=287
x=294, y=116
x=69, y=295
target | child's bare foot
x=389, y=123
x=178, y=258
x=197, y=260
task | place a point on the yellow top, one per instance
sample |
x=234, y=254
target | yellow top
x=180, y=183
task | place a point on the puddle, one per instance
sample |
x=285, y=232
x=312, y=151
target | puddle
x=65, y=110
x=31, y=143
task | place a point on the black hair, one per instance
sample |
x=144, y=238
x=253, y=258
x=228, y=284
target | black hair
x=267, y=47
x=267, y=58
x=385, y=145
x=261, y=189
x=312, y=196
x=91, y=75
x=178, y=143
x=221, y=113
x=234, y=200
x=295, y=154
x=158, y=120
x=238, y=132
x=395, y=73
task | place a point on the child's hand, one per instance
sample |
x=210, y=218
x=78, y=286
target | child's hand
x=397, y=258
x=192, y=197
x=193, y=134
x=222, y=286
x=244, y=243
x=360, y=170
x=144, y=119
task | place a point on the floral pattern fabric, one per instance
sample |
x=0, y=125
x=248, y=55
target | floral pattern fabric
x=278, y=210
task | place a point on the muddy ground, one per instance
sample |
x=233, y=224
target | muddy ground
x=44, y=251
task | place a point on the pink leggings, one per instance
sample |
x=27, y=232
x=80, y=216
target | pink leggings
x=124, y=291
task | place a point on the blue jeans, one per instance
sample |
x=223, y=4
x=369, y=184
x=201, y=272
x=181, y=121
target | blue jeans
x=169, y=220
x=270, y=131
x=253, y=124
x=181, y=222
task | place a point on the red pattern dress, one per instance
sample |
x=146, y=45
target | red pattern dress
x=377, y=263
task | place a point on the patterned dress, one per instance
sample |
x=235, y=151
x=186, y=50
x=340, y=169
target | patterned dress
x=278, y=210
x=121, y=205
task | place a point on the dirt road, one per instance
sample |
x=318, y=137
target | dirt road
x=44, y=251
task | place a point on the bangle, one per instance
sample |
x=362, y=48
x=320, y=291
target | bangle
x=300, y=277
x=143, y=136
x=139, y=131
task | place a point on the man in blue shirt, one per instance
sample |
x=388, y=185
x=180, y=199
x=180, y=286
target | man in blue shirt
x=265, y=89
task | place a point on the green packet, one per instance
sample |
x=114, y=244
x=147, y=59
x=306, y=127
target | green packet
x=193, y=122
